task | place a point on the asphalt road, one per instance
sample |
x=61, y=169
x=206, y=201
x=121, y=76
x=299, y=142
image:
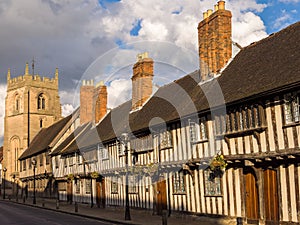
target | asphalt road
x=15, y=214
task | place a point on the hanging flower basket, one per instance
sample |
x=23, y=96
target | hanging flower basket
x=70, y=176
x=95, y=175
x=218, y=163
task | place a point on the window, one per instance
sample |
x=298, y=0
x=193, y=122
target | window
x=143, y=143
x=41, y=102
x=90, y=156
x=88, y=186
x=166, y=139
x=41, y=123
x=17, y=103
x=114, y=185
x=121, y=148
x=41, y=159
x=70, y=160
x=178, y=183
x=198, y=131
x=24, y=164
x=56, y=161
x=132, y=184
x=291, y=108
x=103, y=153
x=240, y=120
x=212, y=183
x=29, y=163
x=78, y=158
x=47, y=158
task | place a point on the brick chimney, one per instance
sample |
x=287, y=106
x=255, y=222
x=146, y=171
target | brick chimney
x=142, y=80
x=86, y=101
x=100, y=99
x=214, y=38
x=93, y=101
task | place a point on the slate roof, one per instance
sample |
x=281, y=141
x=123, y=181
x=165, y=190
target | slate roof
x=41, y=142
x=260, y=68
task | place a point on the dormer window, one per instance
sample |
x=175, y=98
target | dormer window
x=41, y=102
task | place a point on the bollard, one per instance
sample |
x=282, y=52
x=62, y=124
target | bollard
x=164, y=217
x=24, y=198
x=239, y=221
x=76, y=207
x=57, y=204
x=43, y=203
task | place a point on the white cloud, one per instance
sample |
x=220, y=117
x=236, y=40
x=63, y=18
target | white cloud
x=67, y=109
x=282, y=21
x=118, y=91
x=2, y=110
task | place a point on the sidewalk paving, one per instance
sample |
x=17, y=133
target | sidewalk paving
x=116, y=215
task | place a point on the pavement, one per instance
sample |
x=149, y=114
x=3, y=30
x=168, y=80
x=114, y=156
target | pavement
x=116, y=215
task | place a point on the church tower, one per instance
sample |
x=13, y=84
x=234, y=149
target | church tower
x=32, y=102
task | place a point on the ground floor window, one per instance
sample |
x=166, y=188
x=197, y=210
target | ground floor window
x=212, y=183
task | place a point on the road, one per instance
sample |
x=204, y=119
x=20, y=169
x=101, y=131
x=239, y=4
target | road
x=17, y=214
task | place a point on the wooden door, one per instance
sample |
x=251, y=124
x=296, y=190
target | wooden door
x=70, y=191
x=161, y=197
x=100, y=195
x=252, y=207
x=271, y=197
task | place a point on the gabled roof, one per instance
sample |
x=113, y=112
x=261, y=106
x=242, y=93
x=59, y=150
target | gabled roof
x=41, y=142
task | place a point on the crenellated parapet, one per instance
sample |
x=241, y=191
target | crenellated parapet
x=31, y=80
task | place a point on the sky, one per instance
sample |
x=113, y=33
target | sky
x=90, y=39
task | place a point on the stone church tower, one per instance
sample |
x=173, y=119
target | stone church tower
x=32, y=102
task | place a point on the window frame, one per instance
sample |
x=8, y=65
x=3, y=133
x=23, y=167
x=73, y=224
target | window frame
x=179, y=183
x=209, y=184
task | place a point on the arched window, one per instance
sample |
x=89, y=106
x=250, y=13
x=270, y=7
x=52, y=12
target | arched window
x=17, y=102
x=41, y=102
x=15, y=147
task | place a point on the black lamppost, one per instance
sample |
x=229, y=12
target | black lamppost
x=34, y=164
x=4, y=180
x=125, y=140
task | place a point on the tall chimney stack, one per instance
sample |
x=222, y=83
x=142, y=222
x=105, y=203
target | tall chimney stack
x=100, y=100
x=214, y=38
x=142, y=80
x=86, y=101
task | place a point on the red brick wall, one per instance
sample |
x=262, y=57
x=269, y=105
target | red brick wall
x=214, y=37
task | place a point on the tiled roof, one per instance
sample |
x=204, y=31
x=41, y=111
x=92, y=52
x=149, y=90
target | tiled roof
x=43, y=139
x=265, y=66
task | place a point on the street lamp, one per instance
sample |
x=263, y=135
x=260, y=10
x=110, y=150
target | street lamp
x=34, y=164
x=125, y=140
x=4, y=173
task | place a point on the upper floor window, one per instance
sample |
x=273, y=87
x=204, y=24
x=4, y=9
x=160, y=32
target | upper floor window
x=103, y=153
x=143, y=143
x=121, y=148
x=17, y=103
x=41, y=102
x=244, y=118
x=291, y=108
x=78, y=158
x=166, y=139
x=179, y=183
x=198, y=131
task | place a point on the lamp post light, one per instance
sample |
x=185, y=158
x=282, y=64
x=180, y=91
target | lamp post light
x=34, y=165
x=4, y=180
x=125, y=140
